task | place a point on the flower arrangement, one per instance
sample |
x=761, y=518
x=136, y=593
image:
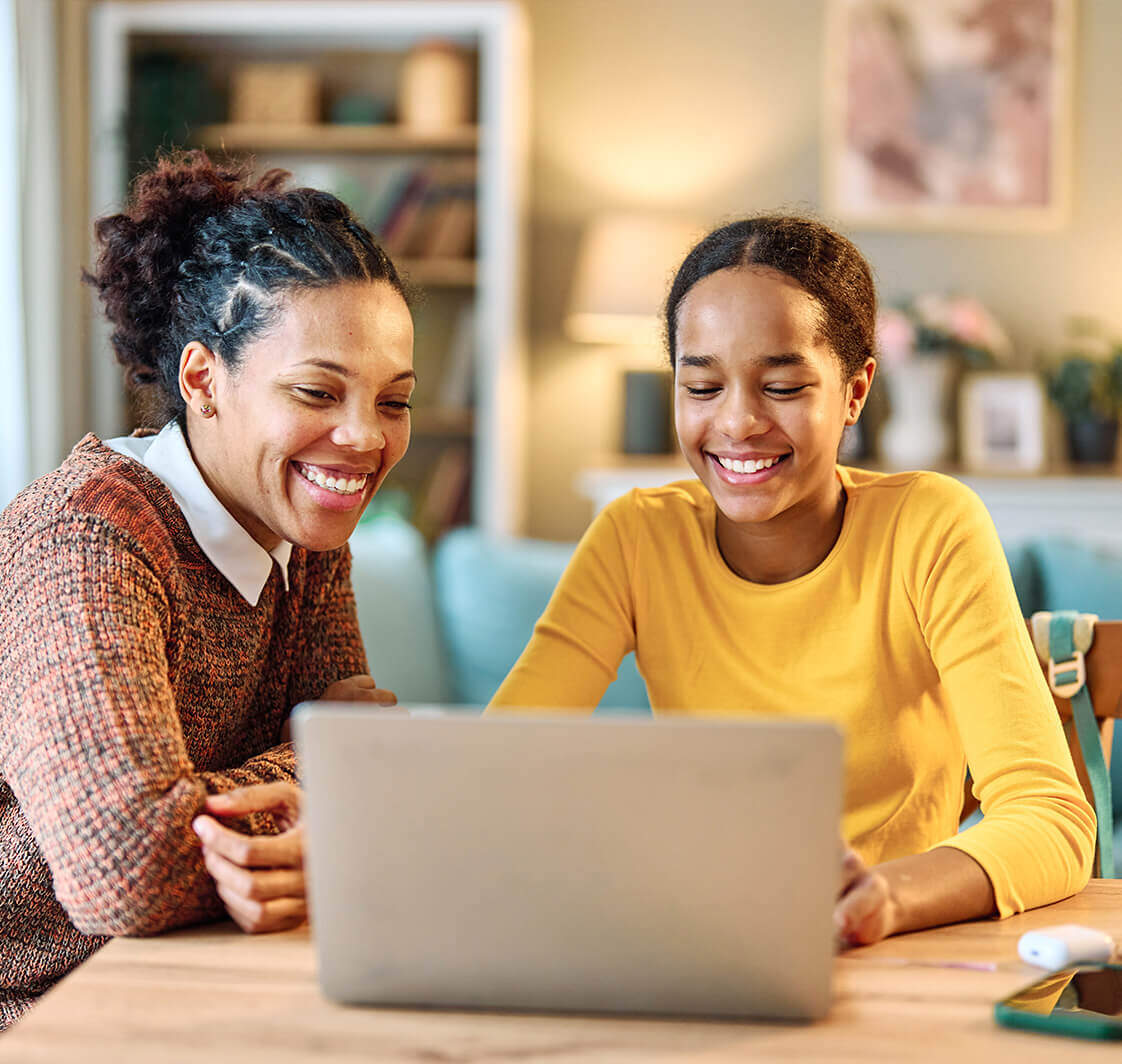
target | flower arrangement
x=934, y=324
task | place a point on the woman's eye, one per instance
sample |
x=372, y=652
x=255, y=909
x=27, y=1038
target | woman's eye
x=315, y=393
x=398, y=404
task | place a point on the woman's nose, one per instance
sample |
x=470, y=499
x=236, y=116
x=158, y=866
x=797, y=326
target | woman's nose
x=360, y=430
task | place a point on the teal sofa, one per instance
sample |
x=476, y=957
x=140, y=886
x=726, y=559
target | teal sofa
x=445, y=626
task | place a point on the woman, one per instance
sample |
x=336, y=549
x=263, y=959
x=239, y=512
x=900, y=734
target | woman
x=165, y=600
x=779, y=582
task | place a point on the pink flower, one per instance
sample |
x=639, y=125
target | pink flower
x=896, y=336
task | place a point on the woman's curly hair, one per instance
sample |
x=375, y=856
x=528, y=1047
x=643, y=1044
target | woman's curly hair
x=205, y=251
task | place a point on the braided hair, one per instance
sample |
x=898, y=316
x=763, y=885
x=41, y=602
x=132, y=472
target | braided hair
x=207, y=252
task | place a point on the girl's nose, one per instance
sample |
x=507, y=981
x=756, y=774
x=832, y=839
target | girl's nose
x=739, y=419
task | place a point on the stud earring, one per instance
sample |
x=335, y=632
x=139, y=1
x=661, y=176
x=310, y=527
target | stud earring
x=206, y=410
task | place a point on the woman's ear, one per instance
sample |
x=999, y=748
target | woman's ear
x=857, y=390
x=197, y=366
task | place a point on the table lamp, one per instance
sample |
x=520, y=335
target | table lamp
x=625, y=264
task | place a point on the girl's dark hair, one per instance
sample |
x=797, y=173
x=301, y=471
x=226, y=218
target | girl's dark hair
x=206, y=252
x=822, y=262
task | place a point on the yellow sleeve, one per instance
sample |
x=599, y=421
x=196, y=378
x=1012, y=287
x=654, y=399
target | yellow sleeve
x=1036, y=841
x=587, y=628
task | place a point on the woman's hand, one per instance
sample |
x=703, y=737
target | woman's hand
x=260, y=878
x=864, y=912
x=360, y=688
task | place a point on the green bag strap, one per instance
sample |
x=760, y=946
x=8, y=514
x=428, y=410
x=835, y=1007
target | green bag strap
x=1069, y=637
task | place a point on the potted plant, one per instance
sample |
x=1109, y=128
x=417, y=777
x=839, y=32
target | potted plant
x=1087, y=390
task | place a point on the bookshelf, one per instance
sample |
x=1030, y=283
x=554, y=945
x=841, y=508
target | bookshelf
x=326, y=137
x=447, y=202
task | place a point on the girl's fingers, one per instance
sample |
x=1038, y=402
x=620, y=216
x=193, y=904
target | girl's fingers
x=860, y=915
x=853, y=868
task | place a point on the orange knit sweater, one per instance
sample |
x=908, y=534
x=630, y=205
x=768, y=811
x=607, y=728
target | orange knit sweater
x=134, y=680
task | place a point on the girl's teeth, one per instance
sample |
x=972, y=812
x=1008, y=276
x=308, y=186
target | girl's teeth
x=339, y=485
x=750, y=466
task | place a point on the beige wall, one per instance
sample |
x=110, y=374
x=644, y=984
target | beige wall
x=711, y=107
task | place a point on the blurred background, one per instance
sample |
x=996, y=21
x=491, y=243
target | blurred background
x=538, y=168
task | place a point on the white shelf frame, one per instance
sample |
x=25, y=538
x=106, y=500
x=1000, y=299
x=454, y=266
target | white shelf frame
x=499, y=31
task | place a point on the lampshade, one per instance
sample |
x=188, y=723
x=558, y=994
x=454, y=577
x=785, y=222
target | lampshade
x=624, y=268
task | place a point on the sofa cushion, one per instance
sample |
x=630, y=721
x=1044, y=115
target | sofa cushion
x=396, y=612
x=1077, y=576
x=490, y=591
x=1026, y=577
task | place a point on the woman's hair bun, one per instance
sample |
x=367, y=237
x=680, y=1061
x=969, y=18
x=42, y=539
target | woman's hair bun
x=142, y=247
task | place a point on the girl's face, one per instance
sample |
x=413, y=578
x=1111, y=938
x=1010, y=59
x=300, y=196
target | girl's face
x=759, y=400
x=309, y=424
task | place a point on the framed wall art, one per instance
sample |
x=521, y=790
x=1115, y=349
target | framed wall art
x=948, y=114
x=1002, y=427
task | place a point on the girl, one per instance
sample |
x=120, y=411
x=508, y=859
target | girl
x=778, y=582
x=166, y=599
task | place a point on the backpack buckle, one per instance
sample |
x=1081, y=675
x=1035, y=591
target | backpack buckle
x=1067, y=677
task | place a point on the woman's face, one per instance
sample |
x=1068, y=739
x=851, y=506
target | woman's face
x=308, y=425
x=759, y=399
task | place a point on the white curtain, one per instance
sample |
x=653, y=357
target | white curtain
x=15, y=429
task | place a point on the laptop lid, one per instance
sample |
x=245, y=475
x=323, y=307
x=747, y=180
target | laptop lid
x=593, y=864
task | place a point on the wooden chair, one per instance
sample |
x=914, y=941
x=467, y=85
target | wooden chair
x=1104, y=681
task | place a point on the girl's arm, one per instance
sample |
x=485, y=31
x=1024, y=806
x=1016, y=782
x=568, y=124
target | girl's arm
x=586, y=630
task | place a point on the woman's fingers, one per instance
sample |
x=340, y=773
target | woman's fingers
x=260, y=884
x=258, y=917
x=252, y=851
x=259, y=798
x=359, y=688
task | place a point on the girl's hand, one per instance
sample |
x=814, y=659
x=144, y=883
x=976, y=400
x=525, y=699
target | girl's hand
x=864, y=913
x=260, y=878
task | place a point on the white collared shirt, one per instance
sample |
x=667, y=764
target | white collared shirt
x=233, y=551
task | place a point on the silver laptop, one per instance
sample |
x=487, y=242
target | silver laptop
x=627, y=865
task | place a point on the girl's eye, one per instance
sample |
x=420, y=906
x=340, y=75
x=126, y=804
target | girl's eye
x=702, y=393
x=398, y=404
x=776, y=390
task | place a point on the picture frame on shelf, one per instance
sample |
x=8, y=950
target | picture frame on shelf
x=1002, y=423
x=948, y=114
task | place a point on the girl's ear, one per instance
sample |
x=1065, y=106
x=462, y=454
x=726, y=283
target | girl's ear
x=857, y=390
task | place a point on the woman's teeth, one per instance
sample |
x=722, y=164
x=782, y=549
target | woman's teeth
x=339, y=485
x=733, y=466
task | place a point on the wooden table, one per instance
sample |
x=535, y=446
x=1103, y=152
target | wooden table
x=213, y=994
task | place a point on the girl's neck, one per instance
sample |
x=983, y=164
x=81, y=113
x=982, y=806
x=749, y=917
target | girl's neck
x=786, y=547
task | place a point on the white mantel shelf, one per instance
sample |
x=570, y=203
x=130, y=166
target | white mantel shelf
x=1084, y=507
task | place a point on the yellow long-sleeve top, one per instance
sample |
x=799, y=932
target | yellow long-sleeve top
x=908, y=636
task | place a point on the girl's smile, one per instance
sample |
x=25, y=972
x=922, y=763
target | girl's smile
x=760, y=404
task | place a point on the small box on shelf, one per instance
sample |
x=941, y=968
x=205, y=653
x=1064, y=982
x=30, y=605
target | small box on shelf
x=287, y=93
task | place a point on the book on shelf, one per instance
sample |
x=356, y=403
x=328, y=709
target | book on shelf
x=430, y=212
x=445, y=498
x=456, y=387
